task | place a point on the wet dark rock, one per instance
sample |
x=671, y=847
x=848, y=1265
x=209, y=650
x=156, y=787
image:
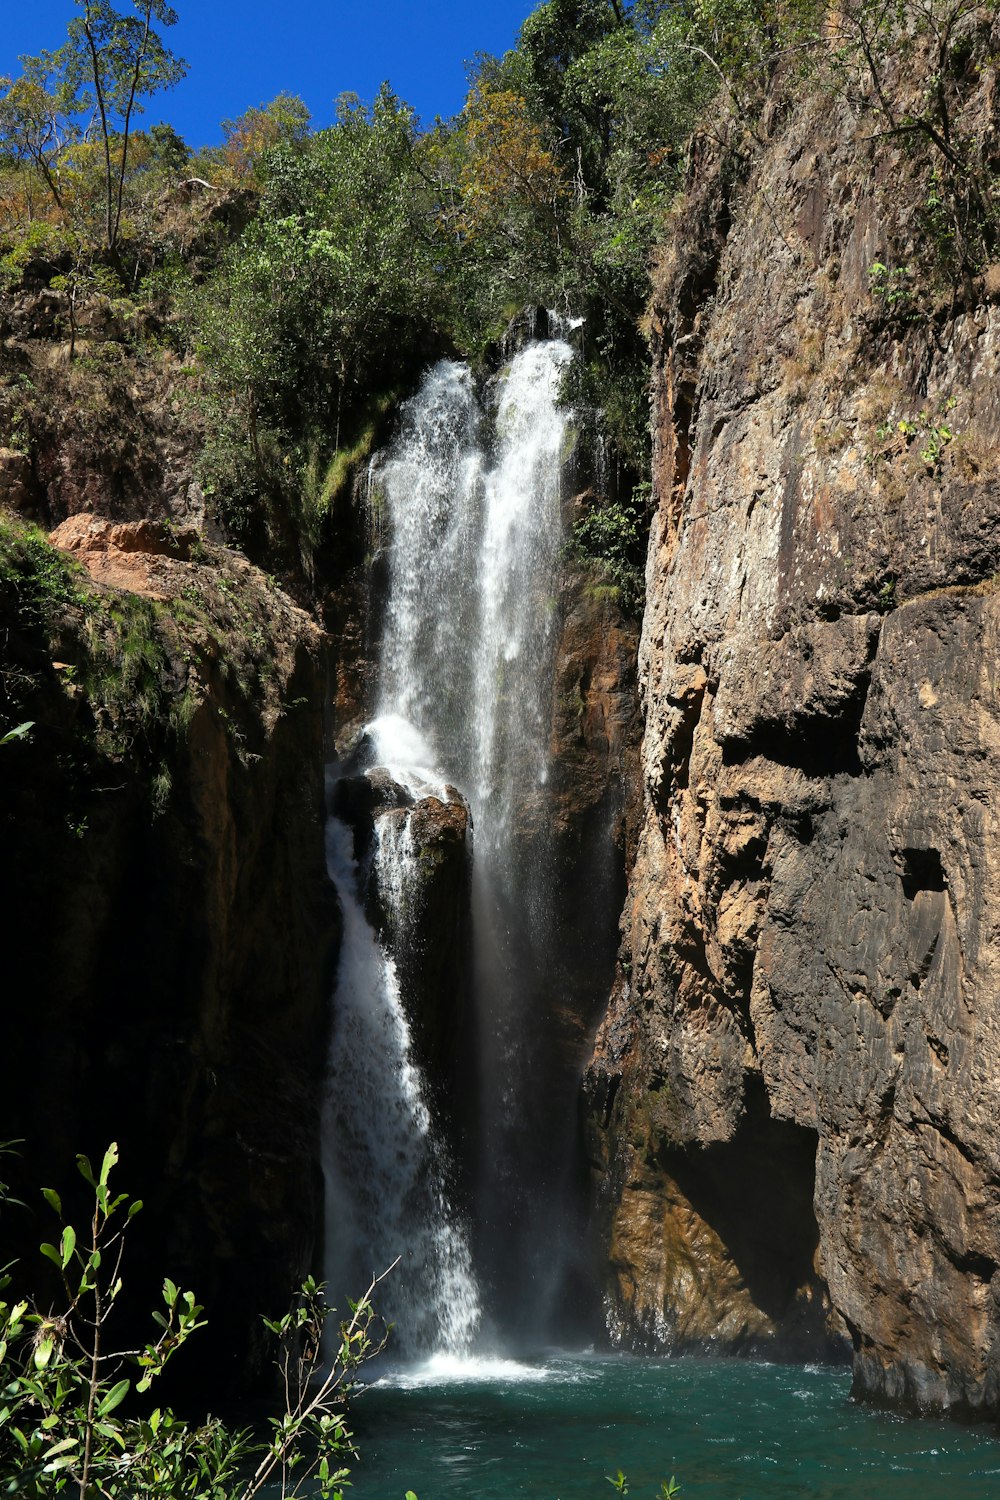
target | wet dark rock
x=414, y=856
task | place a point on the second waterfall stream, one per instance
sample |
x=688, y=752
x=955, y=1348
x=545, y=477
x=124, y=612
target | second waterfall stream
x=453, y=1177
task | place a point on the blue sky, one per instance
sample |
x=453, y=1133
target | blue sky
x=243, y=52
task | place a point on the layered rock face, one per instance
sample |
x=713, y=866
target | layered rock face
x=792, y=1103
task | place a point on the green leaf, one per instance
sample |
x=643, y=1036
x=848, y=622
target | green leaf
x=114, y=1398
x=67, y=1245
x=53, y=1199
x=85, y=1170
x=61, y=1446
x=52, y=1254
x=20, y=733
x=136, y=1206
x=110, y=1158
x=110, y=1431
x=43, y=1351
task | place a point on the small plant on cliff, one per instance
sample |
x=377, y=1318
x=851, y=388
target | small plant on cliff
x=35, y=578
x=64, y=1387
x=891, y=286
x=612, y=537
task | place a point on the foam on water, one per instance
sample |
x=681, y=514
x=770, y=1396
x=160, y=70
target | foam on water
x=399, y=748
x=450, y=1369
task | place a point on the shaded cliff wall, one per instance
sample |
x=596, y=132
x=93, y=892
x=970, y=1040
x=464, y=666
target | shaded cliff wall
x=167, y=923
x=793, y=1098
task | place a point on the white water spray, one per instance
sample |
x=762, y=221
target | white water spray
x=465, y=697
x=385, y=1184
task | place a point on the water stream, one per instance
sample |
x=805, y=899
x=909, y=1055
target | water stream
x=386, y=1193
x=469, y=502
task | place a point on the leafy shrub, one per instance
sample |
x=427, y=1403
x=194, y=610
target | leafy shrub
x=612, y=537
x=68, y=1416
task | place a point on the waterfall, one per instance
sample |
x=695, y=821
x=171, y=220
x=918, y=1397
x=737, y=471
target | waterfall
x=386, y=1194
x=469, y=497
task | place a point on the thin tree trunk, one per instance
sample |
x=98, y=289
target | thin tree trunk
x=99, y=91
x=72, y=321
x=128, y=118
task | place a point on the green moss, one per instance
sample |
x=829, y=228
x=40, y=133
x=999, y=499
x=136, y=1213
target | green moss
x=36, y=580
x=125, y=672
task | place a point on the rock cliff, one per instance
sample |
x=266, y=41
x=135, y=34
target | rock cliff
x=792, y=1103
x=168, y=926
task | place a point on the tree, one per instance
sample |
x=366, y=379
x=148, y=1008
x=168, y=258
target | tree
x=125, y=60
x=40, y=117
x=508, y=163
x=329, y=292
x=283, y=122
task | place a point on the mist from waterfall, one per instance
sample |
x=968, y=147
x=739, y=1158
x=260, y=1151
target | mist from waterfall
x=469, y=502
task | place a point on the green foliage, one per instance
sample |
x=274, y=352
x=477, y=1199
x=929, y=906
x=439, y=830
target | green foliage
x=891, y=286
x=40, y=241
x=333, y=279
x=36, y=580
x=125, y=651
x=60, y=1422
x=669, y=1488
x=68, y=1420
x=862, y=53
x=125, y=670
x=248, y=139
x=595, y=82
x=79, y=184
x=371, y=247
x=40, y=118
x=927, y=428
x=612, y=536
x=123, y=59
x=886, y=601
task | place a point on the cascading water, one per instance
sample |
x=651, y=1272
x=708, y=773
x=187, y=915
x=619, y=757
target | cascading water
x=386, y=1195
x=465, y=697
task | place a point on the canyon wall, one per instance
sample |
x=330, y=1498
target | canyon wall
x=792, y=1103
x=168, y=925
